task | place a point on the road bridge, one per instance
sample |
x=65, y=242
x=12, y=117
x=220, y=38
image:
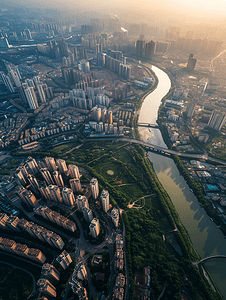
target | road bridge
x=210, y=257
x=158, y=149
x=148, y=125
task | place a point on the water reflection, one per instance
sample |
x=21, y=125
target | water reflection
x=206, y=238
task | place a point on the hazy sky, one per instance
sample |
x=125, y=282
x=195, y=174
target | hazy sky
x=181, y=10
x=198, y=6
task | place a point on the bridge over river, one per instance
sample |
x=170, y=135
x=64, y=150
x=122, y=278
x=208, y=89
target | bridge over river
x=166, y=151
x=156, y=149
x=148, y=125
x=212, y=256
x=196, y=263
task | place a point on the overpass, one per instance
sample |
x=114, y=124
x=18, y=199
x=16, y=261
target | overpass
x=148, y=125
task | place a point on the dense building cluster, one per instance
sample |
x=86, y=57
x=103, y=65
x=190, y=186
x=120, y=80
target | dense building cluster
x=11, y=246
x=54, y=217
x=32, y=92
x=15, y=224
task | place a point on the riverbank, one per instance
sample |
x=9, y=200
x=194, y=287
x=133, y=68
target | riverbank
x=183, y=199
x=194, y=185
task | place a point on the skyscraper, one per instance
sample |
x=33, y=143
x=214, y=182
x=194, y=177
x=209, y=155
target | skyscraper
x=28, y=34
x=75, y=185
x=41, y=93
x=58, y=178
x=62, y=166
x=87, y=213
x=140, y=45
x=32, y=165
x=47, y=176
x=73, y=171
x=7, y=82
x=20, y=177
x=150, y=49
x=190, y=109
x=31, y=98
x=217, y=120
x=28, y=197
x=54, y=193
x=82, y=202
x=94, y=228
x=34, y=183
x=50, y=163
x=191, y=62
x=105, y=200
x=94, y=188
x=68, y=197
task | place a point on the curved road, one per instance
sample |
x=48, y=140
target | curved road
x=210, y=257
x=32, y=276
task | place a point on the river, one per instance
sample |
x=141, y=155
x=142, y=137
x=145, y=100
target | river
x=205, y=236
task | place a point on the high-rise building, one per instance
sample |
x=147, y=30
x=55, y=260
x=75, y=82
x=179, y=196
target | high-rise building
x=32, y=165
x=41, y=93
x=62, y=166
x=7, y=82
x=20, y=90
x=94, y=188
x=75, y=185
x=47, y=176
x=50, y=272
x=82, y=202
x=28, y=197
x=105, y=200
x=50, y=163
x=64, y=259
x=46, y=288
x=54, y=193
x=150, y=49
x=36, y=255
x=84, y=66
x=30, y=83
x=87, y=214
x=28, y=34
x=34, y=183
x=44, y=191
x=110, y=116
x=191, y=62
x=20, y=177
x=58, y=178
x=13, y=74
x=4, y=42
x=36, y=80
x=68, y=197
x=73, y=171
x=31, y=98
x=115, y=216
x=140, y=45
x=217, y=120
x=190, y=109
x=94, y=228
